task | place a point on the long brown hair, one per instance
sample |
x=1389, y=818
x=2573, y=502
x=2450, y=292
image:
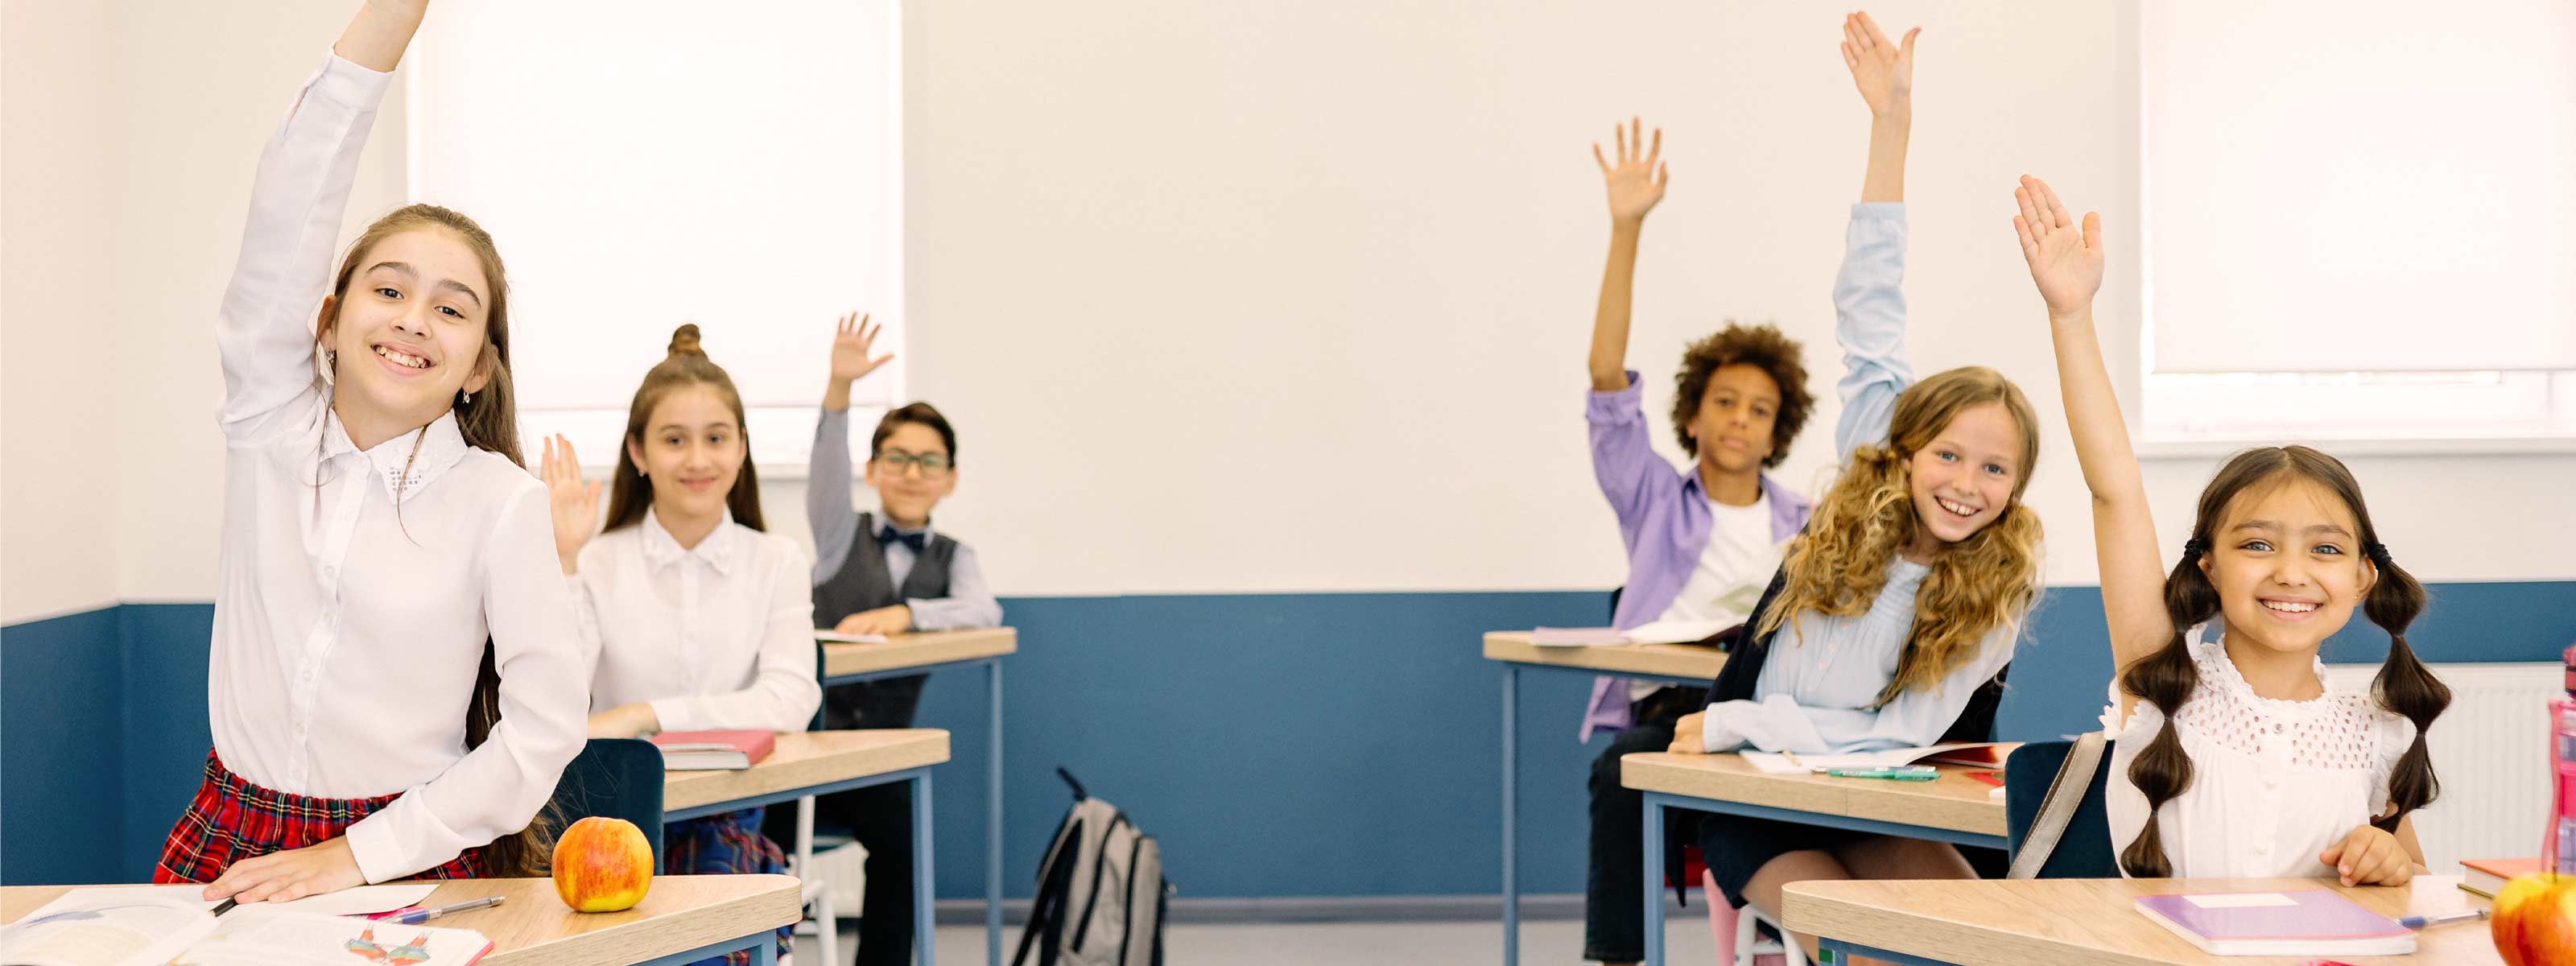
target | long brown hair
x=1986, y=581
x=2168, y=677
x=687, y=365
x=488, y=418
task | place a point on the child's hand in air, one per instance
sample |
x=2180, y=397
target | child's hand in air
x=2369, y=856
x=1637, y=181
x=575, y=503
x=883, y=620
x=850, y=342
x=1883, y=71
x=2066, y=263
x=290, y=875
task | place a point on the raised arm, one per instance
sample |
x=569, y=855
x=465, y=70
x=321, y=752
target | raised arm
x=1869, y=294
x=1636, y=183
x=264, y=330
x=1884, y=73
x=2066, y=263
x=827, y=475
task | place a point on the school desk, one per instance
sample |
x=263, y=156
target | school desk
x=684, y=918
x=924, y=653
x=819, y=763
x=1952, y=808
x=1690, y=665
x=2046, y=922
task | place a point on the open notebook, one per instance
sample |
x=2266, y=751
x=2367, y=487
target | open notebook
x=1987, y=754
x=133, y=927
x=2312, y=922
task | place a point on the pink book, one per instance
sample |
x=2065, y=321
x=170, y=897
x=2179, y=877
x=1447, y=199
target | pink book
x=2313, y=922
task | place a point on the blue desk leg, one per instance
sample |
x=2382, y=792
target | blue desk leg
x=1844, y=951
x=923, y=898
x=1511, y=827
x=993, y=818
x=1654, y=865
x=765, y=954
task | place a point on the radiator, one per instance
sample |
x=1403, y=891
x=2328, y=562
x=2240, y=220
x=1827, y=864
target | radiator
x=2491, y=752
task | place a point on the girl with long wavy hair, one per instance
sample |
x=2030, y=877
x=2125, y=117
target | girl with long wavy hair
x=2232, y=756
x=1901, y=603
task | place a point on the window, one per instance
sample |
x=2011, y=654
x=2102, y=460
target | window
x=2355, y=226
x=652, y=162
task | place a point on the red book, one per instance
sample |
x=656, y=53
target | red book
x=714, y=750
x=2486, y=876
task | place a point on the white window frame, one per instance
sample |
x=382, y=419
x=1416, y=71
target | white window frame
x=2381, y=412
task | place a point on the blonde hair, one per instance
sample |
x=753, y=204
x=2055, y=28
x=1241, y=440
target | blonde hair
x=1986, y=581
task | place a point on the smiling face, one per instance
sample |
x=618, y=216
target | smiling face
x=1733, y=427
x=2286, y=560
x=1964, y=478
x=906, y=485
x=692, y=451
x=408, y=329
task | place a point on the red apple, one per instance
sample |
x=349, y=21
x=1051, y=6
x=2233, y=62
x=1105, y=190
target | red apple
x=2535, y=921
x=602, y=865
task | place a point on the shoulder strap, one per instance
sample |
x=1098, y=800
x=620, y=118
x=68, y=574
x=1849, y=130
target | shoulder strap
x=2065, y=792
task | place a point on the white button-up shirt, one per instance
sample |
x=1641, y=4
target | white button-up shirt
x=720, y=635
x=356, y=589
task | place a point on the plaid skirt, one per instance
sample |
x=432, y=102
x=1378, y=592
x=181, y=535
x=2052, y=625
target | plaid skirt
x=725, y=844
x=232, y=819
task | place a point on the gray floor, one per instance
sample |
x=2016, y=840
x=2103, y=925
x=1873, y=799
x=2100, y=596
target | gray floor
x=1546, y=943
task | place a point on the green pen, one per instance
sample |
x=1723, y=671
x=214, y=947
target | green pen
x=1891, y=774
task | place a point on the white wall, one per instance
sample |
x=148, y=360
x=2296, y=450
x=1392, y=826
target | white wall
x=1278, y=296
x=59, y=365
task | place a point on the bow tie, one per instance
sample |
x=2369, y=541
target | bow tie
x=914, y=540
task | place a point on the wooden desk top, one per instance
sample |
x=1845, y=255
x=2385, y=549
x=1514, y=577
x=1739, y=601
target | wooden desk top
x=1692, y=661
x=804, y=759
x=1953, y=801
x=2091, y=921
x=917, y=650
x=533, y=928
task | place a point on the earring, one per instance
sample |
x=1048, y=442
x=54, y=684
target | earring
x=469, y=398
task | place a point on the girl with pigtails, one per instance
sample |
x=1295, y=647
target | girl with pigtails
x=2232, y=756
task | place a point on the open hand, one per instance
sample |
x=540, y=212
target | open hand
x=850, y=342
x=290, y=875
x=883, y=620
x=1637, y=181
x=575, y=503
x=1883, y=71
x=2066, y=263
x=2369, y=856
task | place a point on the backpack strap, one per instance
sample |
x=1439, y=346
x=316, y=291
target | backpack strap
x=2065, y=793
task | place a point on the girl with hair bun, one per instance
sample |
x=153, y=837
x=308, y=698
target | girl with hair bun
x=700, y=620
x=2233, y=758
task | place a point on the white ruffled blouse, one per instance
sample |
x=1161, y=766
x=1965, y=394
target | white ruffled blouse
x=2274, y=783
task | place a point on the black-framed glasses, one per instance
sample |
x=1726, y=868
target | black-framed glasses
x=898, y=462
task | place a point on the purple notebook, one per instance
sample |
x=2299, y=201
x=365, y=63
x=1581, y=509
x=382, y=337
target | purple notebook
x=2314, y=922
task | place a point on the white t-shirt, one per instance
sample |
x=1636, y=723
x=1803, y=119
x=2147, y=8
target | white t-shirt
x=1732, y=570
x=2274, y=782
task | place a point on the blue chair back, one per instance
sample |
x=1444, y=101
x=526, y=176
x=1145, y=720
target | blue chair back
x=2085, y=850
x=615, y=778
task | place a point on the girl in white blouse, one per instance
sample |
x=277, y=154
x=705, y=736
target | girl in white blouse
x=700, y=620
x=2233, y=759
x=394, y=680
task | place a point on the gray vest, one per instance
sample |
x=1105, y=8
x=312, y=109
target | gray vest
x=863, y=583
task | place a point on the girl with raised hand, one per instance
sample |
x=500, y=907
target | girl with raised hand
x=1896, y=611
x=2233, y=757
x=395, y=682
x=699, y=617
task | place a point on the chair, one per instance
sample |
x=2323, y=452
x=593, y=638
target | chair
x=615, y=778
x=2085, y=850
x=1739, y=939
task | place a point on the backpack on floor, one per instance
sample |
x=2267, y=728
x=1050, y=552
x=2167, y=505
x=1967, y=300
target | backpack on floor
x=1100, y=891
